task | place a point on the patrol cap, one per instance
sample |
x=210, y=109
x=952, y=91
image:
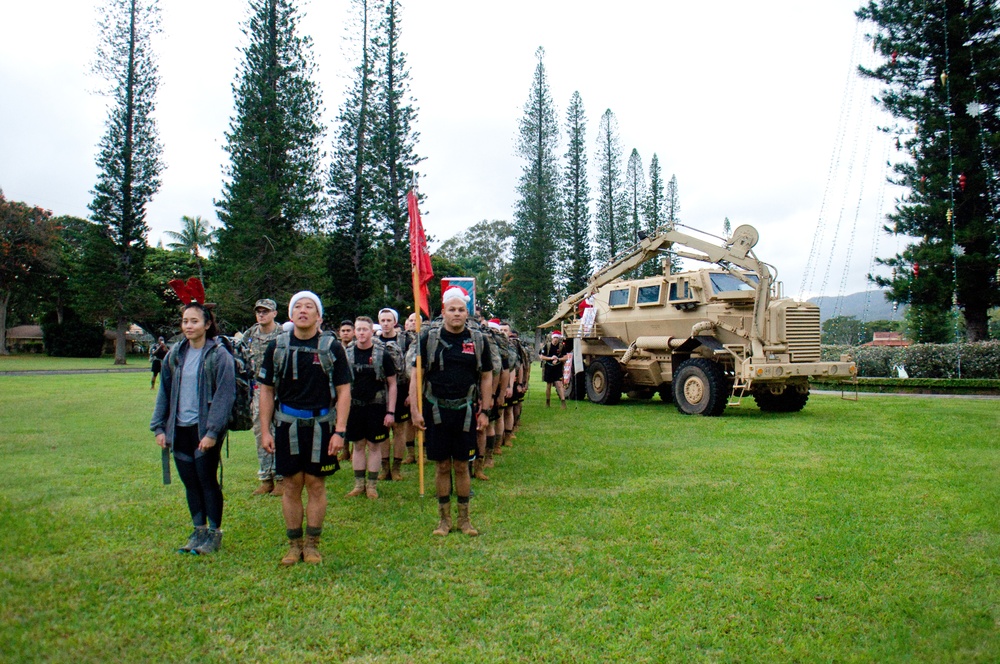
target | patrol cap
x=266, y=303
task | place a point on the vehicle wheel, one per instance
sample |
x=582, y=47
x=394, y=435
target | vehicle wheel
x=789, y=401
x=700, y=387
x=643, y=393
x=577, y=390
x=604, y=381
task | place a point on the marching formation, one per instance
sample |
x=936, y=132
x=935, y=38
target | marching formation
x=353, y=395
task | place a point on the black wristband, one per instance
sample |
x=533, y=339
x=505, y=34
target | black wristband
x=342, y=434
x=391, y=412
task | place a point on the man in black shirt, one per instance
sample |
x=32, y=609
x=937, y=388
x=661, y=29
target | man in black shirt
x=374, y=389
x=305, y=385
x=457, y=382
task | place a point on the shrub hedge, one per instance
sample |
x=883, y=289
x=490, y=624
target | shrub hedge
x=965, y=360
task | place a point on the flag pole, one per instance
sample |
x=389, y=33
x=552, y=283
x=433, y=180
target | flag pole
x=419, y=375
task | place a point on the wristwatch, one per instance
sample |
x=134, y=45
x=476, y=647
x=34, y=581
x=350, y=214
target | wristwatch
x=342, y=434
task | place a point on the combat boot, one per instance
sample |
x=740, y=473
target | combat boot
x=478, y=473
x=444, y=525
x=211, y=543
x=279, y=488
x=397, y=471
x=310, y=550
x=294, y=554
x=194, y=541
x=410, y=456
x=488, y=462
x=463, y=521
x=384, y=473
x=370, y=490
x=359, y=488
x=266, y=486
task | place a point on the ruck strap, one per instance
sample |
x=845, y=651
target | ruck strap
x=452, y=404
x=295, y=421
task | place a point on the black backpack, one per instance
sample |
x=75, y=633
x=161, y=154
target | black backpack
x=241, y=416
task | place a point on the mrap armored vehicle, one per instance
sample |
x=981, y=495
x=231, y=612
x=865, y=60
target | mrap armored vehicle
x=701, y=338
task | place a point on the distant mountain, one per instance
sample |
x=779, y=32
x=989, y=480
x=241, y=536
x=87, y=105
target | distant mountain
x=854, y=305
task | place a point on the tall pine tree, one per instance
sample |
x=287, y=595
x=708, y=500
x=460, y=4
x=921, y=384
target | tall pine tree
x=537, y=215
x=635, y=197
x=610, y=203
x=271, y=198
x=351, y=259
x=939, y=81
x=653, y=210
x=575, y=249
x=129, y=157
x=395, y=143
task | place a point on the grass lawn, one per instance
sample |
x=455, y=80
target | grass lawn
x=865, y=531
x=38, y=362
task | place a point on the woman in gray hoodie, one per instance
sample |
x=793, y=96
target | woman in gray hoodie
x=197, y=389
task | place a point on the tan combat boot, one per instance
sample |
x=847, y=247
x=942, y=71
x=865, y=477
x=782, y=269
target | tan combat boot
x=310, y=551
x=279, y=488
x=477, y=467
x=410, y=456
x=444, y=525
x=396, y=473
x=370, y=490
x=384, y=473
x=463, y=521
x=294, y=554
x=359, y=488
x=266, y=486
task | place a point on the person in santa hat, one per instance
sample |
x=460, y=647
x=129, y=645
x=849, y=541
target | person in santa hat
x=457, y=389
x=553, y=355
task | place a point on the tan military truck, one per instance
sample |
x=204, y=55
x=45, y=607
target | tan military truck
x=702, y=338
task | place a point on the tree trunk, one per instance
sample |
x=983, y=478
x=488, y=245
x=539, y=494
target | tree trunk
x=977, y=324
x=120, y=340
x=4, y=301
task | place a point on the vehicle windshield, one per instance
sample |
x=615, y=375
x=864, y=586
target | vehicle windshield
x=723, y=282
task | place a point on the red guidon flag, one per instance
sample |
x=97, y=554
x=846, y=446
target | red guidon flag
x=420, y=259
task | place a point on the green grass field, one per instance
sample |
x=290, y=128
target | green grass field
x=865, y=532
x=38, y=362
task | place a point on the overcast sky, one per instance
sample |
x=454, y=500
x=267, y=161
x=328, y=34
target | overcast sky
x=752, y=105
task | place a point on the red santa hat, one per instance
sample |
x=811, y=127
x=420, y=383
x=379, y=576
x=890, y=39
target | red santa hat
x=556, y=334
x=455, y=292
x=494, y=323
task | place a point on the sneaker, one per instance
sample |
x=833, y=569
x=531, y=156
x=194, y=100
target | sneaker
x=197, y=537
x=211, y=543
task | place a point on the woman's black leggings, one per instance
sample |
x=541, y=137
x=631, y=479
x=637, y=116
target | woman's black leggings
x=200, y=474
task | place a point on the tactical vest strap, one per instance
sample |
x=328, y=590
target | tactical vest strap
x=452, y=404
x=293, y=430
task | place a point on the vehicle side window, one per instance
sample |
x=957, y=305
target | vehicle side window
x=648, y=295
x=619, y=298
x=679, y=291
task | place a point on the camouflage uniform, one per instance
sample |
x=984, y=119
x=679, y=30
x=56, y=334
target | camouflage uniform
x=258, y=341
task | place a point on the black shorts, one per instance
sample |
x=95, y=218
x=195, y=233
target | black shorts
x=287, y=464
x=552, y=374
x=157, y=365
x=447, y=440
x=367, y=423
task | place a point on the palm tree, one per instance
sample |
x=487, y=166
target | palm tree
x=195, y=235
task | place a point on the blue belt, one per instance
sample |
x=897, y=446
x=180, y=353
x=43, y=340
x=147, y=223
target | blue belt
x=298, y=412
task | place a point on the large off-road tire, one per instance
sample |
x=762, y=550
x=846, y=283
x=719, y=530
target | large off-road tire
x=577, y=389
x=789, y=401
x=604, y=381
x=700, y=387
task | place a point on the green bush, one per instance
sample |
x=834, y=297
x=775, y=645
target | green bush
x=72, y=338
x=965, y=360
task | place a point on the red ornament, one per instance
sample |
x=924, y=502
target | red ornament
x=916, y=270
x=894, y=54
x=961, y=182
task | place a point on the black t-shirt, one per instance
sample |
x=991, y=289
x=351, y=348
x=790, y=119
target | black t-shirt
x=556, y=348
x=458, y=353
x=160, y=353
x=312, y=389
x=366, y=384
